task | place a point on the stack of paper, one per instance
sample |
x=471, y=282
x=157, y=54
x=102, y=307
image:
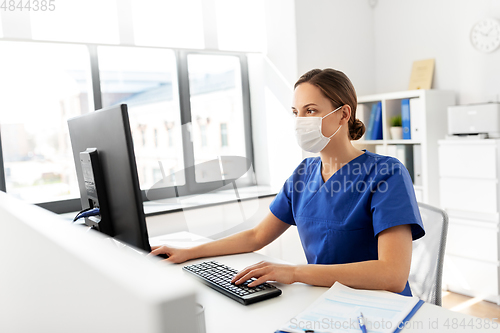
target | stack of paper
x=338, y=308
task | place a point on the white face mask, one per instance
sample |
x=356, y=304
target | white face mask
x=309, y=135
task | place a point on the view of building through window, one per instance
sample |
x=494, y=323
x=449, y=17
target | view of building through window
x=146, y=80
x=216, y=109
x=223, y=135
x=42, y=86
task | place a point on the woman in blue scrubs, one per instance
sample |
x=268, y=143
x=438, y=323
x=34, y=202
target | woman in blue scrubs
x=355, y=211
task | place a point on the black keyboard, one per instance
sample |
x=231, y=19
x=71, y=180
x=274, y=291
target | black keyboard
x=219, y=276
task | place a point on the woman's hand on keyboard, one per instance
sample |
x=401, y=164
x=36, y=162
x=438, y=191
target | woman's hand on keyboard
x=266, y=271
x=175, y=255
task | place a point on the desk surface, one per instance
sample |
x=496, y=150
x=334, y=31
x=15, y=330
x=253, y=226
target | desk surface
x=223, y=314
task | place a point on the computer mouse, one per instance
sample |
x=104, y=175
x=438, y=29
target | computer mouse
x=162, y=255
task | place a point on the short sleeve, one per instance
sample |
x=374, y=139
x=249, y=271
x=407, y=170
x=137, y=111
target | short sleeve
x=281, y=207
x=394, y=203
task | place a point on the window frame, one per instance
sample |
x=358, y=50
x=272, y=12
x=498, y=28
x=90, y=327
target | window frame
x=191, y=187
x=223, y=135
x=198, y=188
x=3, y=185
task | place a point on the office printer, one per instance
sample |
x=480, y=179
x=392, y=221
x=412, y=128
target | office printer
x=481, y=120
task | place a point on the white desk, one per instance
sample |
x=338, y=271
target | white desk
x=223, y=314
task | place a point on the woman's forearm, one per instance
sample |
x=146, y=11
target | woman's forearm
x=390, y=272
x=372, y=274
x=241, y=242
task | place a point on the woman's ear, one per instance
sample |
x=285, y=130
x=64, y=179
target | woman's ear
x=346, y=113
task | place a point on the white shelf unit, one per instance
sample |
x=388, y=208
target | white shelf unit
x=433, y=127
x=470, y=193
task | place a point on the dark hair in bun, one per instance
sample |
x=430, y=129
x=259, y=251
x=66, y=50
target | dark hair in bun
x=356, y=129
x=336, y=86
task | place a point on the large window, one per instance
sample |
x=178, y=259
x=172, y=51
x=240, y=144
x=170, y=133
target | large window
x=178, y=65
x=185, y=109
x=42, y=85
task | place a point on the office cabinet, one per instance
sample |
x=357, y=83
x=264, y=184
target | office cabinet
x=482, y=235
x=428, y=125
x=469, y=172
x=481, y=194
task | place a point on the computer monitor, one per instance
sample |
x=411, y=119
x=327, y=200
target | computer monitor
x=108, y=131
x=59, y=277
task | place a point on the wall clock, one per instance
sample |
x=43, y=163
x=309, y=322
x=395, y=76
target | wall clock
x=485, y=35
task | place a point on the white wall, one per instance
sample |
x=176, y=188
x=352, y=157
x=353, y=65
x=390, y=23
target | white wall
x=337, y=34
x=406, y=31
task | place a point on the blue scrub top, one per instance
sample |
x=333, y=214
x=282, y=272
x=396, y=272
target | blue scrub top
x=338, y=220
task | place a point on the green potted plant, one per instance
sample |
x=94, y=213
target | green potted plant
x=396, y=128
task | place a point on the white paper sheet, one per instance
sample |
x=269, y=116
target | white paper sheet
x=338, y=308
